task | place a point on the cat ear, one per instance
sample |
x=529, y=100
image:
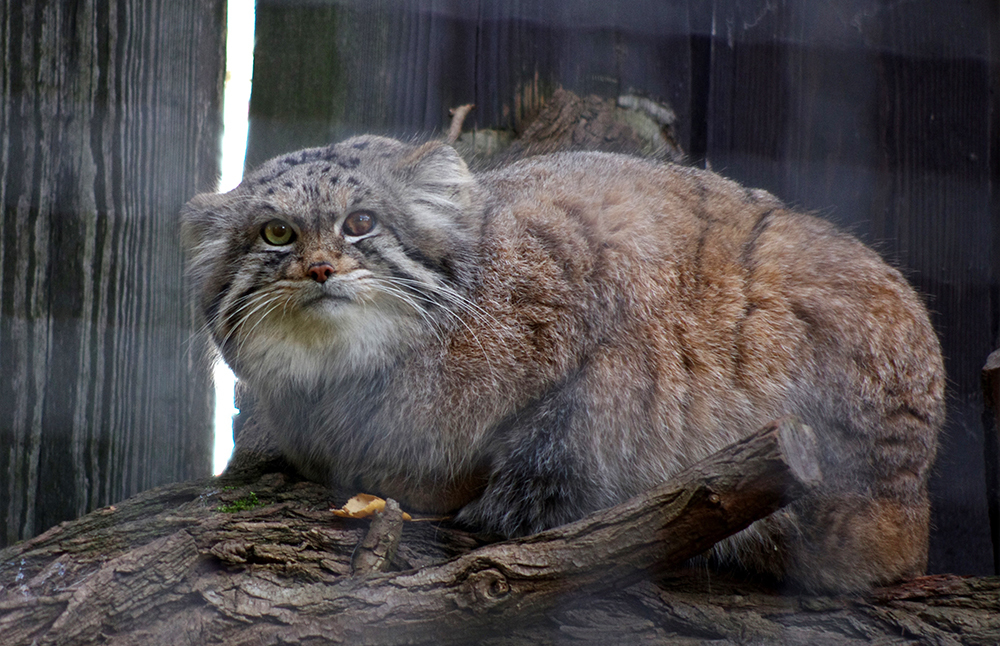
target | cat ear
x=439, y=175
x=200, y=219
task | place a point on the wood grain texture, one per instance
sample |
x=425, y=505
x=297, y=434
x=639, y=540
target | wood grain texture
x=110, y=120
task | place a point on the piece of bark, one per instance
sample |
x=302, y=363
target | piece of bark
x=378, y=548
x=458, y=116
x=632, y=125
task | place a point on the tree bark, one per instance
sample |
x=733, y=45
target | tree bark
x=258, y=558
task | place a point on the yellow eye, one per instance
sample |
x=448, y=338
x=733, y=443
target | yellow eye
x=359, y=223
x=278, y=232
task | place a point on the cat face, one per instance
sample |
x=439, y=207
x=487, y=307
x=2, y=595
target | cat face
x=333, y=259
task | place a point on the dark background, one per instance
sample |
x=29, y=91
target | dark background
x=881, y=116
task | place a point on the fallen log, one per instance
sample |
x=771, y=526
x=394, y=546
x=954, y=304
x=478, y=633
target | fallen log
x=260, y=559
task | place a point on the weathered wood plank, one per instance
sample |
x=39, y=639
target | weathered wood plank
x=110, y=120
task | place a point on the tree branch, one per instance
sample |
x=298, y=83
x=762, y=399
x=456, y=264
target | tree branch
x=263, y=561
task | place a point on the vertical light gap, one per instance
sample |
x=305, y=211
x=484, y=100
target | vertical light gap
x=236, y=103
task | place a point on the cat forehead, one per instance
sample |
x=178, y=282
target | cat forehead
x=283, y=175
x=359, y=153
x=355, y=166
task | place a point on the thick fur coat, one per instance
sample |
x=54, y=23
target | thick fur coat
x=526, y=345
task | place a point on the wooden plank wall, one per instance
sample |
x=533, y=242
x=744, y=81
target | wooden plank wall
x=110, y=120
x=881, y=116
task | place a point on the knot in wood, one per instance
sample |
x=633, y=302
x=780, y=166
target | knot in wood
x=488, y=586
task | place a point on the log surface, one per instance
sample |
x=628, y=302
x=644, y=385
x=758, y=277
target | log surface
x=258, y=558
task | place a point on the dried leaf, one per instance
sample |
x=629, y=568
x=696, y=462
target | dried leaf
x=363, y=505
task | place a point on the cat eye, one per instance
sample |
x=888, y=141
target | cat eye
x=278, y=232
x=359, y=223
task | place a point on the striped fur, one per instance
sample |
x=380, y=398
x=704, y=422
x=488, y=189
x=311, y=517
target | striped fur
x=527, y=345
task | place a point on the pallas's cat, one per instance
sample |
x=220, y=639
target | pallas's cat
x=525, y=345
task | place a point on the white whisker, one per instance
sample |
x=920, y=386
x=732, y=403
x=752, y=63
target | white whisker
x=261, y=301
x=387, y=288
x=457, y=299
x=420, y=290
x=260, y=320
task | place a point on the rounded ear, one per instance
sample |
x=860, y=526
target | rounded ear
x=440, y=198
x=200, y=218
x=439, y=173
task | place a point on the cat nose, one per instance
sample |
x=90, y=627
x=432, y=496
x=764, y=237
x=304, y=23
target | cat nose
x=320, y=271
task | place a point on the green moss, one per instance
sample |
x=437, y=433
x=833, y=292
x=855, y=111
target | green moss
x=246, y=503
